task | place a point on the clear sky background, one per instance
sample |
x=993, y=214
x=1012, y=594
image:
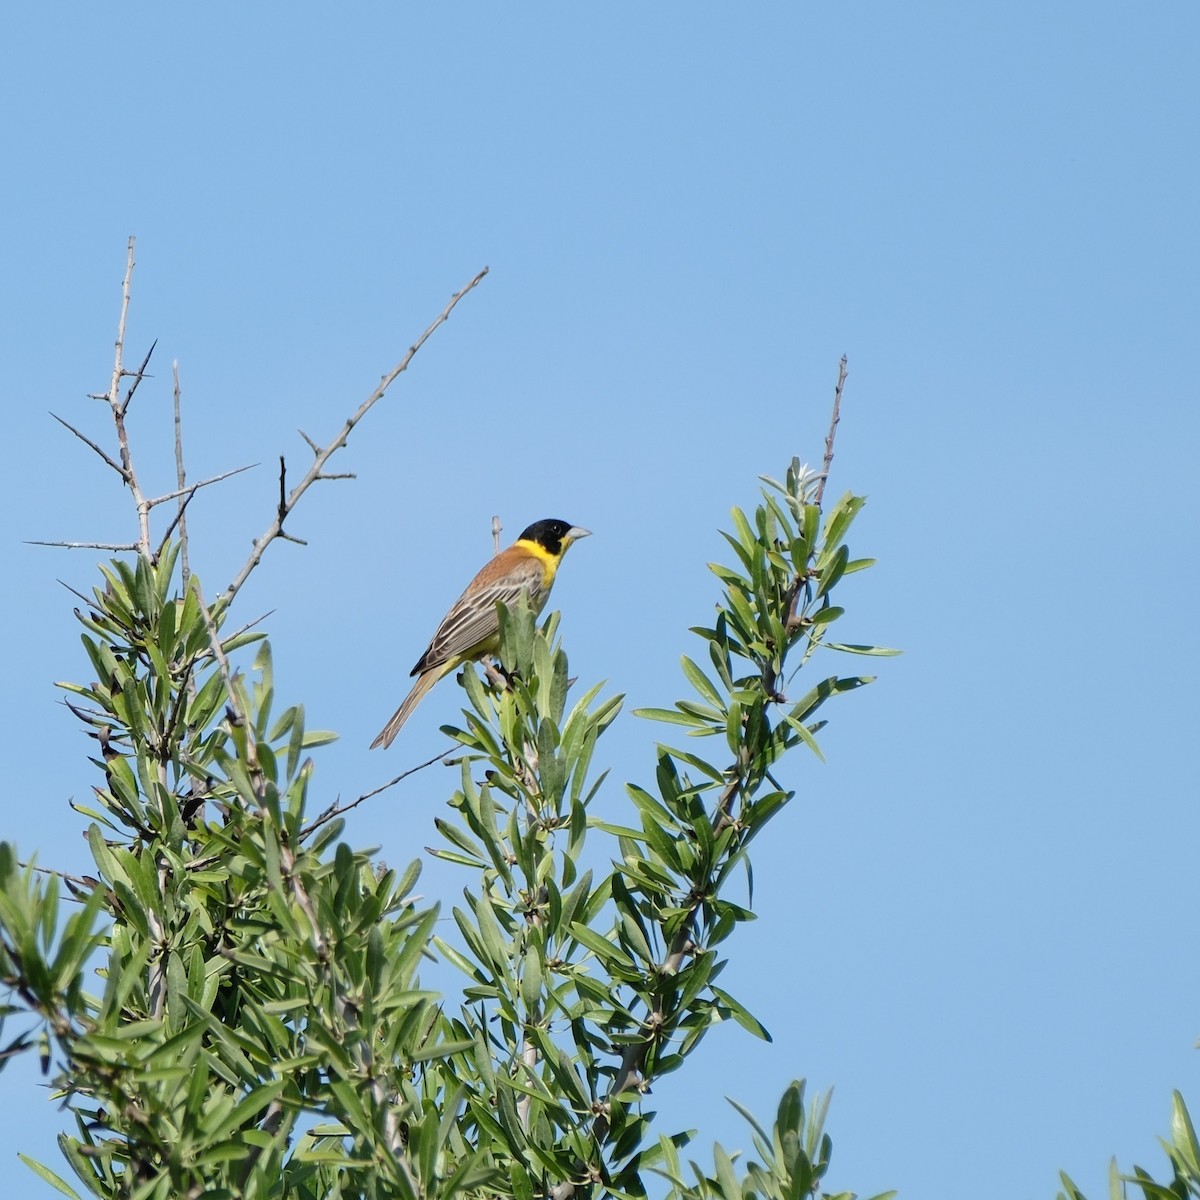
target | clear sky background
x=975, y=918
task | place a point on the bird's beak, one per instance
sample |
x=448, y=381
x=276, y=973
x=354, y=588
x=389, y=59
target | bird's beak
x=576, y=532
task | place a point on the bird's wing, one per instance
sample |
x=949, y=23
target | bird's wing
x=472, y=620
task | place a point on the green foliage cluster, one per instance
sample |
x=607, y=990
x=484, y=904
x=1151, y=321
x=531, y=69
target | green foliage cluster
x=262, y=1030
x=1183, y=1153
x=589, y=989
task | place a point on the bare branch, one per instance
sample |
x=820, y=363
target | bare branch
x=336, y=810
x=138, y=376
x=250, y=625
x=180, y=480
x=83, y=881
x=833, y=424
x=90, y=601
x=116, y=466
x=178, y=519
x=115, y=547
x=193, y=488
x=235, y=708
x=118, y=410
x=119, y=358
x=322, y=456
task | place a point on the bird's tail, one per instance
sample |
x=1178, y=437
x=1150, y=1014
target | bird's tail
x=388, y=733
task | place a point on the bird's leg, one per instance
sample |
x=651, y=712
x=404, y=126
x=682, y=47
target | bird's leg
x=496, y=676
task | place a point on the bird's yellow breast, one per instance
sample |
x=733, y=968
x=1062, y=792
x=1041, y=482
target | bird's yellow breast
x=548, y=561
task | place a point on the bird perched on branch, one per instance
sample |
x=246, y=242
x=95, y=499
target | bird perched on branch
x=471, y=629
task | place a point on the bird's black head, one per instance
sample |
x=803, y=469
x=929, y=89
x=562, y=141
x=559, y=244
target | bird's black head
x=553, y=535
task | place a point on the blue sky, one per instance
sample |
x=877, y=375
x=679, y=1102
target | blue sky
x=973, y=919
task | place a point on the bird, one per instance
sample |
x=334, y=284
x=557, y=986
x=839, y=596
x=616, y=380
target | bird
x=471, y=629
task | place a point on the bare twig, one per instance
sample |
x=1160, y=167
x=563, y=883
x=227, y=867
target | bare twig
x=118, y=408
x=83, y=881
x=138, y=376
x=237, y=633
x=113, y=546
x=90, y=601
x=281, y=512
x=529, y=1061
x=191, y=489
x=118, y=361
x=833, y=424
x=116, y=466
x=336, y=810
x=321, y=456
x=177, y=519
x=180, y=479
x=214, y=637
x=496, y=528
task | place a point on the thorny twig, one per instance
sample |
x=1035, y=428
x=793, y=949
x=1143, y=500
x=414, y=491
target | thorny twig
x=833, y=424
x=116, y=466
x=192, y=488
x=322, y=455
x=800, y=586
x=282, y=511
x=180, y=479
x=115, y=547
x=113, y=399
x=629, y=1077
x=336, y=810
x=138, y=376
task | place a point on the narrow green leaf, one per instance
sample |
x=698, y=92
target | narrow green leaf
x=48, y=1176
x=667, y=715
x=742, y=1015
x=805, y=736
x=701, y=682
x=844, y=512
x=850, y=648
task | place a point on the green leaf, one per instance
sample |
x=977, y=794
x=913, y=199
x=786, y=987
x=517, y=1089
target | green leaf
x=805, y=735
x=601, y=947
x=667, y=715
x=1183, y=1135
x=727, y=1181
x=850, y=648
x=832, y=570
x=48, y=1176
x=823, y=616
x=702, y=683
x=742, y=1015
x=531, y=979
x=859, y=564
x=844, y=512
x=319, y=737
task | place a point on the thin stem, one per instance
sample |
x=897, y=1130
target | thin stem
x=322, y=455
x=118, y=408
x=833, y=424
x=180, y=477
x=336, y=810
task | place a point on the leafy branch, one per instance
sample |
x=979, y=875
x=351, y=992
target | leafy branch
x=262, y=1028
